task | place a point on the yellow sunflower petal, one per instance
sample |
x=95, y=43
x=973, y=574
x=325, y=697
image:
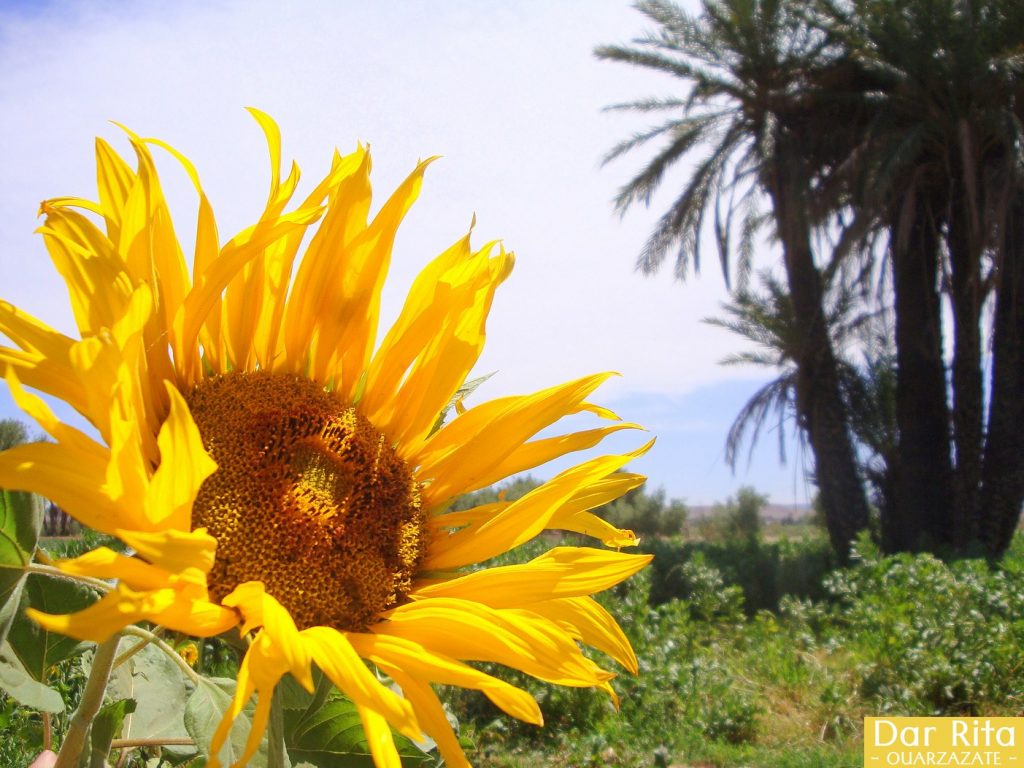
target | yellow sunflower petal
x=105, y=563
x=588, y=622
x=73, y=439
x=88, y=262
x=45, y=360
x=428, y=304
x=171, y=549
x=184, y=465
x=468, y=630
x=70, y=479
x=573, y=516
x=246, y=301
x=395, y=654
x=476, y=516
x=114, y=181
x=379, y=739
x=123, y=606
x=246, y=685
x=260, y=609
x=560, y=572
x=439, y=344
x=348, y=323
x=522, y=519
x=537, y=452
x=462, y=455
x=333, y=653
x=112, y=613
x=432, y=717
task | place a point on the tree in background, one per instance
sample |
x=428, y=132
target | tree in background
x=896, y=123
x=738, y=520
x=860, y=334
x=646, y=514
x=751, y=105
x=12, y=433
x=937, y=168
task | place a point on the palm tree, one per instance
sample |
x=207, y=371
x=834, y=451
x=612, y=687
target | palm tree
x=766, y=319
x=938, y=166
x=752, y=99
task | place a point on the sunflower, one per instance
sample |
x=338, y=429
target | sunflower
x=278, y=473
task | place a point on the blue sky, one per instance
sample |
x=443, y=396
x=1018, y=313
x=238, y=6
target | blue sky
x=508, y=93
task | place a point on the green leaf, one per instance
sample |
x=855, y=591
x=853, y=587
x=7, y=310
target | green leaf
x=105, y=727
x=332, y=737
x=203, y=712
x=293, y=695
x=17, y=683
x=156, y=683
x=37, y=649
x=21, y=517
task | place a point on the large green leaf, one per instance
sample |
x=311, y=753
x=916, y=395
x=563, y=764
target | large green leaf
x=21, y=516
x=203, y=713
x=19, y=684
x=108, y=723
x=331, y=736
x=156, y=683
x=293, y=695
x=37, y=649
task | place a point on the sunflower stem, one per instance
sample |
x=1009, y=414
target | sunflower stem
x=275, y=733
x=92, y=698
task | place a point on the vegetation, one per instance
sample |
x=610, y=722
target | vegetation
x=723, y=684
x=885, y=140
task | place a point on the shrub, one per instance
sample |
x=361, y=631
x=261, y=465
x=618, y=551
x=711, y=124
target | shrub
x=931, y=637
x=765, y=572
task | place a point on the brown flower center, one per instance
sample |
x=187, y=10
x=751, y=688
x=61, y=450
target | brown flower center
x=308, y=498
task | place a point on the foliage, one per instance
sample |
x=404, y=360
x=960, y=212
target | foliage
x=12, y=433
x=647, y=514
x=765, y=572
x=721, y=685
x=931, y=637
x=738, y=520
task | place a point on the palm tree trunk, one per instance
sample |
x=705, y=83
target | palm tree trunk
x=1002, y=490
x=968, y=397
x=921, y=510
x=820, y=405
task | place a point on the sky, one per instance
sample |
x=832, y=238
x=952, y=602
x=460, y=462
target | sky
x=508, y=93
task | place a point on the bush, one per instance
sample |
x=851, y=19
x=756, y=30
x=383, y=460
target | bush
x=931, y=637
x=765, y=572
